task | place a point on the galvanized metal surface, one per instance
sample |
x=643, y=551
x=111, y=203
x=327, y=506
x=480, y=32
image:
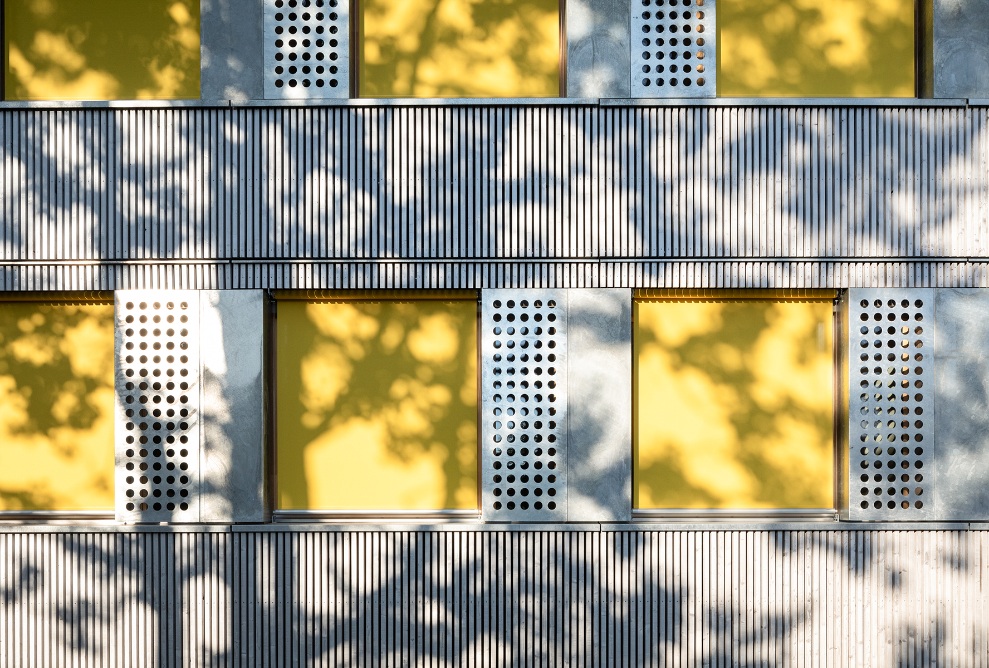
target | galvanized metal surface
x=524, y=405
x=674, y=48
x=599, y=405
x=235, y=391
x=306, y=49
x=597, y=49
x=961, y=425
x=493, y=196
x=480, y=597
x=158, y=409
x=891, y=337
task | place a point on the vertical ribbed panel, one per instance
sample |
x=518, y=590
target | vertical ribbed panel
x=440, y=195
x=495, y=598
x=321, y=275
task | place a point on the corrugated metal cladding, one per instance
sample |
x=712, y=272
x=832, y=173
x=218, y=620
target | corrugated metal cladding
x=454, y=196
x=484, y=597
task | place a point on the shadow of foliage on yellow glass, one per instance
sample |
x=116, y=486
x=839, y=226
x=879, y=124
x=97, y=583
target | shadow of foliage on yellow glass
x=460, y=48
x=377, y=405
x=101, y=49
x=816, y=48
x=56, y=406
x=733, y=405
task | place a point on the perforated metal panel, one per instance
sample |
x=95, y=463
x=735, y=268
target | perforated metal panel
x=157, y=385
x=306, y=47
x=524, y=399
x=891, y=403
x=673, y=48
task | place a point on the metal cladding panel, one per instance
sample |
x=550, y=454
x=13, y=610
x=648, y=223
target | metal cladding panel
x=892, y=473
x=158, y=412
x=398, y=274
x=524, y=405
x=415, y=196
x=674, y=48
x=306, y=49
x=459, y=596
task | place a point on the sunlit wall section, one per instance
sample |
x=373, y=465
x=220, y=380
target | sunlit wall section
x=56, y=406
x=459, y=48
x=377, y=402
x=733, y=400
x=816, y=48
x=101, y=49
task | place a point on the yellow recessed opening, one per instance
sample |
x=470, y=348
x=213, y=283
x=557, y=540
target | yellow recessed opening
x=101, y=49
x=377, y=403
x=733, y=402
x=816, y=48
x=56, y=406
x=459, y=48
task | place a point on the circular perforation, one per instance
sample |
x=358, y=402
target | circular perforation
x=308, y=41
x=159, y=381
x=524, y=439
x=674, y=45
x=891, y=361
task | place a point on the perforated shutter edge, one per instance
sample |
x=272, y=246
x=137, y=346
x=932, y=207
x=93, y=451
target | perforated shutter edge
x=306, y=49
x=674, y=48
x=157, y=408
x=524, y=405
x=890, y=365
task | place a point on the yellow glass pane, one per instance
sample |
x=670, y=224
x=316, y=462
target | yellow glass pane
x=56, y=406
x=733, y=404
x=816, y=48
x=377, y=405
x=101, y=49
x=459, y=48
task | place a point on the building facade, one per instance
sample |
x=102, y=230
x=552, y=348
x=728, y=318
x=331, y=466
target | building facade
x=530, y=333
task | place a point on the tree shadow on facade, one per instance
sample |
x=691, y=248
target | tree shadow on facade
x=733, y=404
x=797, y=48
x=347, y=229
x=56, y=393
x=429, y=48
x=101, y=50
x=377, y=404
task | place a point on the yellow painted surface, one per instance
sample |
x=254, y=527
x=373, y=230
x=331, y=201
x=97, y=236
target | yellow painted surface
x=816, y=48
x=459, y=48
x=377, y=405
x=733, y=404
x=101, y=49
x=56, y=406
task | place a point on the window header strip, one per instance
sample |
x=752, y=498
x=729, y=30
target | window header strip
x=721, y=295
x=374, y=295
x=45, y=297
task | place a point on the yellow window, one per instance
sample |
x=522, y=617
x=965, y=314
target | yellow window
x=56, y=406
x=377, y=402
x=101, y=49
x=459, y=48
x=816, y=48
x=733, y=400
